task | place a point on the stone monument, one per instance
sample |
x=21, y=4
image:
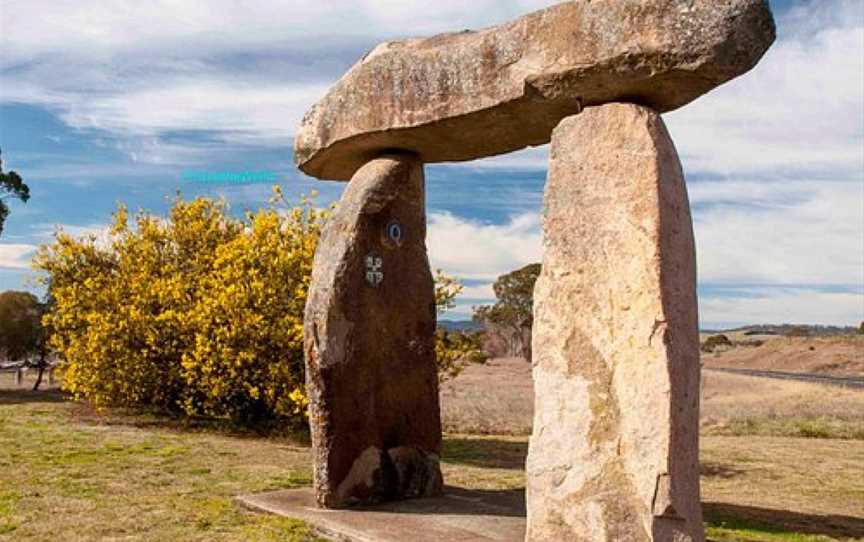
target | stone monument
x=614, y=453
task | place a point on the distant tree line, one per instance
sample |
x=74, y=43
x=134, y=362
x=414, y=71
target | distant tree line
x=23, y=337
x=797, y=330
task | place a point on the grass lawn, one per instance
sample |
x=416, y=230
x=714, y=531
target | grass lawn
x=67, y=473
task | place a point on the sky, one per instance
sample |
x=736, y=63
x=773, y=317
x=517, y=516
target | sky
x=107, y=102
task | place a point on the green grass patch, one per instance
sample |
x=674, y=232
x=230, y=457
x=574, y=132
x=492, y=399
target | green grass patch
x=728, y=529
x=500, y=452
x=8, y=501
x=114, y=479
x=820, y=428
x=281, y=530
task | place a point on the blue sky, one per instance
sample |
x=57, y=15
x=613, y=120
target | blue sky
x=104, y=102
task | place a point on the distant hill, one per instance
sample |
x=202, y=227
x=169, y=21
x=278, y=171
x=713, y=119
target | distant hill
x=785, y=330
x=791, y=330
x=459, y=325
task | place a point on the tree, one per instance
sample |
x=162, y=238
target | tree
x=23, y=337
x=453, y=349
x=11, y=186
x=43, y=337
x=799, y=331
x=19, y=324
x=512, y=316
x=716, y=342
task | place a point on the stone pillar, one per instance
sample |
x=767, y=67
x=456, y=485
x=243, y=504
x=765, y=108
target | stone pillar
x=614, y=451
x=370, y=351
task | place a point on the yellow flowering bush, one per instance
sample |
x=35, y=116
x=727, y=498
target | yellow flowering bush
x=248, y=351
x=453, y=349
x=201, y=312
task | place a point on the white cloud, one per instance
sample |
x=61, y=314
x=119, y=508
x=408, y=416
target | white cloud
x=15, y=256
x=45, y=232
x=256, y=113
x=483, y=292
x=99, y=28
x=468, y=249
x=802, y=107
x=464, y=310
x=783, y=151
x=261, y=113
x=531, y=158
x=475, y=251
x=791, y=306
x=808, y=233
x=144, y=68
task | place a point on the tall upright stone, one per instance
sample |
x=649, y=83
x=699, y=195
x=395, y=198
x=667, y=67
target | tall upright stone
x=614, y=451
x=369, y=343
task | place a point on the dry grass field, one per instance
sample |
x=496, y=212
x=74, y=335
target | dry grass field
x=498, y=397
x=742, y=405
x=494, y=398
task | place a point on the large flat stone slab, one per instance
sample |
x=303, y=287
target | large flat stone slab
x=458, y=515
x=369, y=343
x=614, y=450
x=468, y=95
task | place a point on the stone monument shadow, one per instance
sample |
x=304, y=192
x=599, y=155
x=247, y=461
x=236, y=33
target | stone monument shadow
x=460, y=501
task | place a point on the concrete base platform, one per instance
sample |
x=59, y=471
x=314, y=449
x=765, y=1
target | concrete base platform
x=459, y=515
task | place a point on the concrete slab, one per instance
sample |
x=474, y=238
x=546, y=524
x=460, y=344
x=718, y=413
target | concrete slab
x=460, y=515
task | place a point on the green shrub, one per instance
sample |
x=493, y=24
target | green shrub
x=716, y=342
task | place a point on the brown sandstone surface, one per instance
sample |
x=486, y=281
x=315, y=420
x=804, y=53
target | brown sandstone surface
x=614, y=450
x=468, y=95
x=370, y=356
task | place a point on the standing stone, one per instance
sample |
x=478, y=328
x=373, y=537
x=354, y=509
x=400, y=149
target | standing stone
x=614, y=452
x=369, y=343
